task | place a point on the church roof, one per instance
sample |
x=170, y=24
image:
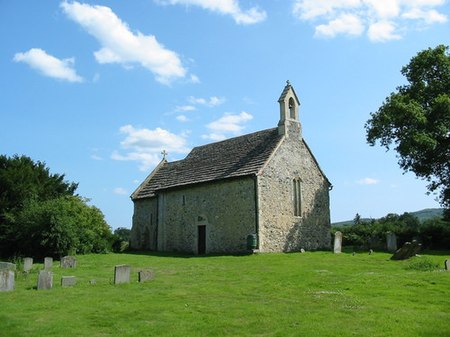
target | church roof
x=234, y=157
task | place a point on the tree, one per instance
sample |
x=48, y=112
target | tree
x=357, y=219
x=62, y=226
x=41, y=216
x=415, y=120
x=23, y=180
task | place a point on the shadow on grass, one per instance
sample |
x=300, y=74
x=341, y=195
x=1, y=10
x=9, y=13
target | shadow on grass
x=183, y=255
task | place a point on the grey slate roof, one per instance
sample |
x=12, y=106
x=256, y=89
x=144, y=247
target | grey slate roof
x=234, y=157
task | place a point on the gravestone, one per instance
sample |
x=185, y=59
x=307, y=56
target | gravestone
x=68, y=281
x=447, y=264
x=68, y=262
x=146, y=275
x=45, y=280
x=337, y=242
x=122, y=274
x=408, y=250
x=8, y=266
x=27, y=264
x=391, y=242
x=48, y=263
x=6, y=279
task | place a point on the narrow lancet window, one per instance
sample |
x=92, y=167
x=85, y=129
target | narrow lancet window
x=297, y=197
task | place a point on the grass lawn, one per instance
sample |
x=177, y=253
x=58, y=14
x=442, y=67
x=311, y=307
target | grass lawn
x=310, y=294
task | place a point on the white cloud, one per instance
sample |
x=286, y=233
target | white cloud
x=194, y=79
x=383, y=20
x=368, y=181
x=184, y=108
x=228, y=124
x=225, y=7
x=383, y=31
x=428, y=16
x=383, y=9
x=346, y=24
x=96, y=157
x=213, y=101
x=145, y=145
x=120, y=45
x=120, y=191
x=182, y=118
x=49, y=65
x=311, y=9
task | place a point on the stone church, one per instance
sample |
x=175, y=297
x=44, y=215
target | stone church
x=265, y=185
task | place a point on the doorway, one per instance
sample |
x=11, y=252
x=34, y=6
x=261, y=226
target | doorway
x=201, y=240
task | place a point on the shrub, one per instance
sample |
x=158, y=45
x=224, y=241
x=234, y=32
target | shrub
x=422, y=264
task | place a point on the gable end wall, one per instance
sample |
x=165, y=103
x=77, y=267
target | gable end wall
x=279, y=229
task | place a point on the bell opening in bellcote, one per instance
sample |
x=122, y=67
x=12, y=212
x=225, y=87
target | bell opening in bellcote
x=289, y=112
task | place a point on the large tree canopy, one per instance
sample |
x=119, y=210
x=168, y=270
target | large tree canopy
x=415, y=120
x=41, y=216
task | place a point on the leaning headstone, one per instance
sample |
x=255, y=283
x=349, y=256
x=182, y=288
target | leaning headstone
x=447, y=264
x=337, y=242
x=7, y=265
x=6, y=279
x=145, y=275
x=48, y=263
x=122, y=274
x=68, y=262
x=45, y=280
x=391, y=242
x=27, y=264
x=68, y=281
x=408, y=250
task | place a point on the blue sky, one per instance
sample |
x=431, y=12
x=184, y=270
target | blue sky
x=97, y=89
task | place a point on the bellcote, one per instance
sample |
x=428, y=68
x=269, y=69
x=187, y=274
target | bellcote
x=289, y=111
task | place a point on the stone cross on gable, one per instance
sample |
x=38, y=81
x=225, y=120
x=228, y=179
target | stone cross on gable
x=164, y=153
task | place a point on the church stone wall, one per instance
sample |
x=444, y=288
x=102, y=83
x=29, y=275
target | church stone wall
x=279, y=228
x=226, y=208
x=144, y=229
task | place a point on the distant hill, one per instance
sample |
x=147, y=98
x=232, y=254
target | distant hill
x=422, y=215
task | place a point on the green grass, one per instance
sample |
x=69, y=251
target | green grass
x=310, y=294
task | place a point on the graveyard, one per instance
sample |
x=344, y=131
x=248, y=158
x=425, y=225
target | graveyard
x=318, y=293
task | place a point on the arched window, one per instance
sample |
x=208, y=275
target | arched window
x=292, y=108
x=297, y=196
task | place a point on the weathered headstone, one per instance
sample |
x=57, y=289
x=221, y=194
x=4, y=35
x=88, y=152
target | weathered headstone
x=27, y=264
x=337, y=242
x=45, y=280
x=447, y=264
x=68, y=281
x=391, y=242
x=122, y=274
x=68, y=262
x=6, y=279
x=145, y=275
x=7, y=265
x=48, y=263
x=302, y=250
x=408, y=250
